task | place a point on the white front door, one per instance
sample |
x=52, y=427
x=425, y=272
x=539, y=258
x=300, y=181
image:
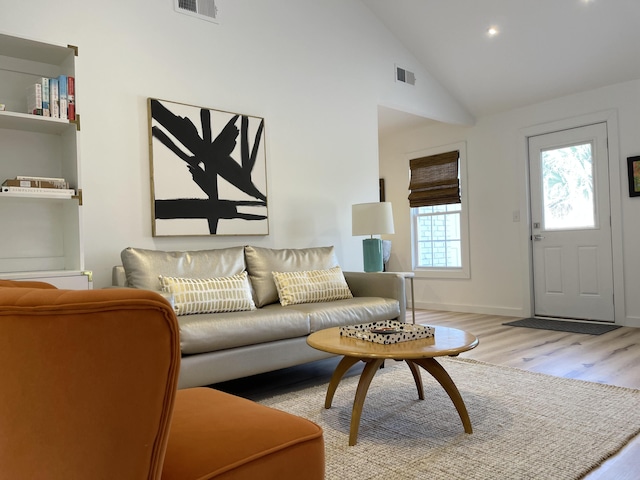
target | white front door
x=571, y=225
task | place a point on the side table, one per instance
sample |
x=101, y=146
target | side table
x=410, y=276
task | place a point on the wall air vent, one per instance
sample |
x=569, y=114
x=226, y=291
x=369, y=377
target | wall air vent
x=405, y=76
x=203, y=9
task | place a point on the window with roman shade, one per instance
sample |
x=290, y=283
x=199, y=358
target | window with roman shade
x=434, y=180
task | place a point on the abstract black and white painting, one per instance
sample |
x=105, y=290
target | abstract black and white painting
x=208, y=171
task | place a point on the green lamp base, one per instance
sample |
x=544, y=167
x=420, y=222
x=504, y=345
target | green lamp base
x=372, y=251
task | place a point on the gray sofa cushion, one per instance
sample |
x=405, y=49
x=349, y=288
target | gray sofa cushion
x=212, y=332
x=350, y=311
x=262, y=261
x=143, y=267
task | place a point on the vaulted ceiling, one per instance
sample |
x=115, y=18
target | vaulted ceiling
x=544, y=49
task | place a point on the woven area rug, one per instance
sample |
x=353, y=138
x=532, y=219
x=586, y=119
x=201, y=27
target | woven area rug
x=526, y=425
x=563, y=326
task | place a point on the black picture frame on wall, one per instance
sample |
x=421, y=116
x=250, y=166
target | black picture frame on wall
x=633, y=166
x=208, y=171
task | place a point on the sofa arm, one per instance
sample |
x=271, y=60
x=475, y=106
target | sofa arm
x=118, y=277
x=119, y=280
x=379, y=284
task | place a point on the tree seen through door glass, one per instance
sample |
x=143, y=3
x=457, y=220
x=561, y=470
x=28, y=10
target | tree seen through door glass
x=567, y=182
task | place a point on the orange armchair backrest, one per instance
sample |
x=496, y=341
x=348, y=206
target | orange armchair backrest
x=88, y=382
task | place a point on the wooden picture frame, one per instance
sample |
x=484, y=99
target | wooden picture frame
x=208, y=171
x=633, y=168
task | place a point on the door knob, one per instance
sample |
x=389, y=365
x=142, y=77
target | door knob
x=537, y=238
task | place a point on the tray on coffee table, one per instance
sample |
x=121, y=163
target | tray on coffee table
x=387, y=332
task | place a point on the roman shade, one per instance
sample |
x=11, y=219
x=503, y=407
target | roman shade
x=434, y=180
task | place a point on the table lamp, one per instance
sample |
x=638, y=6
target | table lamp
x=372, y=219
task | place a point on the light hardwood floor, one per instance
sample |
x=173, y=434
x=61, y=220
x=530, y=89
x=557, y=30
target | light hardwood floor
x=611, y=358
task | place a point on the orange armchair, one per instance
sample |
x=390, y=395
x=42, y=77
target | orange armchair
x=89, y=391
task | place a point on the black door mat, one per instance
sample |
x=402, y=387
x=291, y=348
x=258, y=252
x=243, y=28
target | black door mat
x=563, y=326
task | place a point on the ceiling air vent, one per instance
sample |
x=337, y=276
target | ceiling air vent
x=405, y=76
x=204, y=9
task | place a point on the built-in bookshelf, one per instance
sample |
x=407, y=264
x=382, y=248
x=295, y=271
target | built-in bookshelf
x=42, y=236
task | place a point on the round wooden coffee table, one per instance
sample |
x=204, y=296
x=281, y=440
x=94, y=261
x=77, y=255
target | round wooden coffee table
x=445, y=342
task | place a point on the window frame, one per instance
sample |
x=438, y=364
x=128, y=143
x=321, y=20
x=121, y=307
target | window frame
x=447, y=272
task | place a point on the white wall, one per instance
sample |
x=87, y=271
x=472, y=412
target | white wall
x=315, y=71
x=496, y=155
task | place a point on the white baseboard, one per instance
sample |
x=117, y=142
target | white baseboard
x=629, y=321
x=483, y=309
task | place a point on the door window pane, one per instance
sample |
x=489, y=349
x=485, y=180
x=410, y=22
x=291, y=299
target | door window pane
x=567, y=184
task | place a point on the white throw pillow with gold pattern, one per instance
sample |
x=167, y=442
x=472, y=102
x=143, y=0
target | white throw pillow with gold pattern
x=209, y=295
x=311, y=286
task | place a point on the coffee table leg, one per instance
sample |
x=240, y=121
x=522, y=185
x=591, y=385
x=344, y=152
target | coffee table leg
x=345, y=364
x=415, y=371
x=440, y=374
x=369, y=371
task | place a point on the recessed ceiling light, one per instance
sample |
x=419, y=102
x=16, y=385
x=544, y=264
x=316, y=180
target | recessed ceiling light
x=492, y=31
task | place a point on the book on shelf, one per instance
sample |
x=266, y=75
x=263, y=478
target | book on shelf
x=58, y=181
x=54, y=105
x=71, y=97
x=48, y=179
x=62, y=97
x=14, y=182
x=53, y=97
x=54, y=192
x=45, y=97
x=34, y=99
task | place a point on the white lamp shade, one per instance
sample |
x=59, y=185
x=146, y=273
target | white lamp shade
x=372, y=218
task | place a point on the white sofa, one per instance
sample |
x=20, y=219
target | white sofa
x=225, y=345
